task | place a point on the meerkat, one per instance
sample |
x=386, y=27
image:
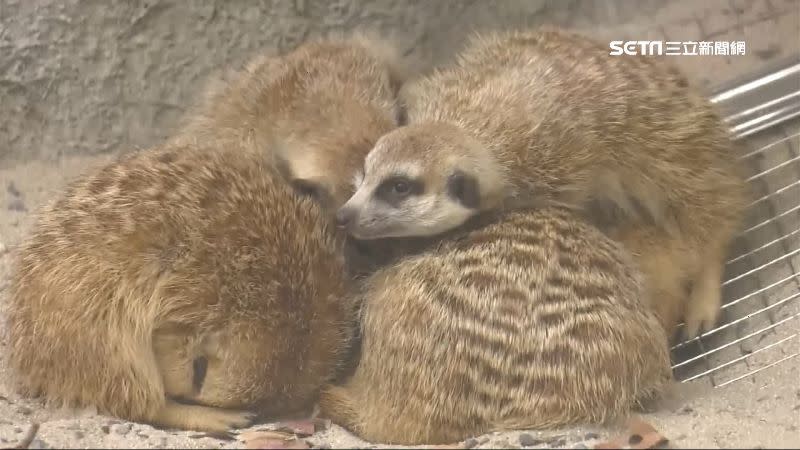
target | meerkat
x=524, y=119
x=531, y=320
x=182, y=286
x=314, y=112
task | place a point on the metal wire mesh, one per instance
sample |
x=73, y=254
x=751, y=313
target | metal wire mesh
x=759, y=326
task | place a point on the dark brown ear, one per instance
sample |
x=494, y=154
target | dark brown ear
x=464, y=188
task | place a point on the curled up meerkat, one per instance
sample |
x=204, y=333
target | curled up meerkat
x=525, y=119
x=179, y=274
x=534, y=319
x=313, y=112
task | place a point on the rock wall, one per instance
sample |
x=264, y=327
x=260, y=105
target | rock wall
x=93, y=76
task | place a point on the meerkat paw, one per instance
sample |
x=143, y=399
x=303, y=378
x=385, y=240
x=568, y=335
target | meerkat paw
x=705, y=301
x=701, y=316
x=202, y=418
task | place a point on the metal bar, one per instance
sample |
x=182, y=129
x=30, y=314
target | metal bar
x=761, y=82
x=736, y=360
x=768, y=146
x=768, y=244
x=762, y=106
x=739, y=320
x=769, y=221
x=761, y=267
x=743, y=338
x=759, y=291
x=791, y=277
x=774, y=168
x=753, y=372
x=775, y=193
x=758, y=104
x=752, y=113
x=768, y=121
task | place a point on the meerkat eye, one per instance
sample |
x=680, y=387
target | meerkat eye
x=397, y=188
x=401, y=187
x=199, y=370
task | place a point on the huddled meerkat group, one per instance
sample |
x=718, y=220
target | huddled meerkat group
x=535, y=218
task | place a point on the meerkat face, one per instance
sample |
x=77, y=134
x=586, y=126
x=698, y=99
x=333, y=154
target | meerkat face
x=417, y=181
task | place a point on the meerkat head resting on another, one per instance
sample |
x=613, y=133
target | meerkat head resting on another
x=318, y=156
x=314, y=112
x=422, y=180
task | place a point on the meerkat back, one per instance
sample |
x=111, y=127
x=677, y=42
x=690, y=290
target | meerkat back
x=667, y=183
x=179, y=273
x=533, y=321
x=573, y=125
x=523, y=119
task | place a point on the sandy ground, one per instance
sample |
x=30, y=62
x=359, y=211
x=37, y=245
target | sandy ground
x=760, y=411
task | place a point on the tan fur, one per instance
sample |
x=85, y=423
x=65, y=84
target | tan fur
x=172, y=255
x=548, y=117
x=314, y=112
x=532, y=321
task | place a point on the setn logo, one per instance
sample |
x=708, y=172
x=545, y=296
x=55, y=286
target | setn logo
x=636, y=48
x=673, y=48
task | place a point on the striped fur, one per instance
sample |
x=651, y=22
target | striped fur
x=532, y=321
x=548, y=117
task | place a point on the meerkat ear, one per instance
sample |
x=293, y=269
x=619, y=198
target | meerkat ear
x=464, y=188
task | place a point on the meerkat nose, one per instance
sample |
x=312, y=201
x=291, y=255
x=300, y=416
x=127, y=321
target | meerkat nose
x=344, y=216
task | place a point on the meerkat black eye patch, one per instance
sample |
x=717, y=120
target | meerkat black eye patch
x=199, y=370
x=395, y=189
x=464, y=189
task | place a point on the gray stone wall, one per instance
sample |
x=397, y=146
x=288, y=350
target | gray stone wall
x=92, y=76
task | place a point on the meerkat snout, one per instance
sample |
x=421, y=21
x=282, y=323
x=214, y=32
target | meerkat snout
x=344, y=217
